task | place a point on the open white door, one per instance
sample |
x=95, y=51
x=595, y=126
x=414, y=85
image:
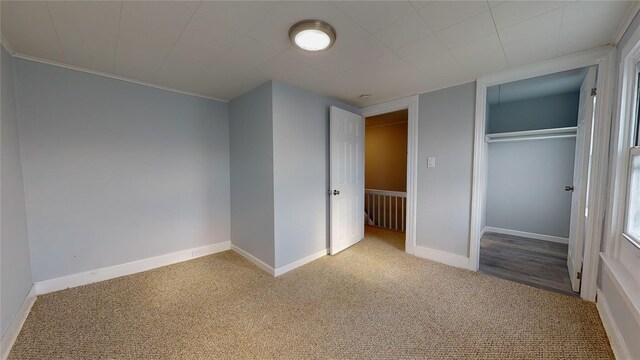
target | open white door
x=579, y=206
x=346, y=142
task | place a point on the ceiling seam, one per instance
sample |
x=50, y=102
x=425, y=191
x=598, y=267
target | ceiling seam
x=504, y=53
x=447, y=49
x=115, y=51
x=244, y=34
x=55, y=30
x=179, y=36
x=373, y=36
x=433, y=33
x=556, y=48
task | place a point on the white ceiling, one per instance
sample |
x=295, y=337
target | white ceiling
x=388, y=49
x=552, y=84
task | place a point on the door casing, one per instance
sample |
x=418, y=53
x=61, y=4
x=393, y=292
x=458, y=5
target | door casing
x=409, y=103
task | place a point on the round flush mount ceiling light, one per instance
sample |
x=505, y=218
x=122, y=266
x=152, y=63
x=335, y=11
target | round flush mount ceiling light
x=312, y=35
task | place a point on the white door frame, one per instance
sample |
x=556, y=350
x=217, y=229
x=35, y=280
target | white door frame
x=411, y=104
x=604, y=58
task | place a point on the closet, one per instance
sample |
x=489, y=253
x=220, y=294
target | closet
x=531, y=137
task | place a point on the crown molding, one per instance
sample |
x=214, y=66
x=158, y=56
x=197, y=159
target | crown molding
x=112, y=76
x=7, y=45
x=633, y=11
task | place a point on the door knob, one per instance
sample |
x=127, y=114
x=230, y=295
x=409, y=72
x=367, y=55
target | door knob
x=568, y=188
x=336, y=192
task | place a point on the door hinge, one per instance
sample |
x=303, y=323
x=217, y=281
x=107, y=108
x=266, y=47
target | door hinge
x=579, y=275
x=594, y=91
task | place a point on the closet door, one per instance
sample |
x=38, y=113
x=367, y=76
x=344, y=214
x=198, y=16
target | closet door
x=579, y=203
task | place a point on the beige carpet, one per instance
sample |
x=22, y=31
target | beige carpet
x=370, y=301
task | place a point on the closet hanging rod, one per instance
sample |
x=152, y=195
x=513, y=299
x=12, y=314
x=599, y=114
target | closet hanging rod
x=540, y=137
x=540, y=134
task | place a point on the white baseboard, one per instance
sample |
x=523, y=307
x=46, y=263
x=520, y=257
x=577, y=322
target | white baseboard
x=556, y=239
x=110, y=272
x=305, y=260
x=483, y=231
x=616, y=340
x=282, y=269
x=10, y=336
x=259, y=263
x=442, y=257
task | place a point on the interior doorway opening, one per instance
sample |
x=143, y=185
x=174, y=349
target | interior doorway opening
x=385, y=199
x=538, y=146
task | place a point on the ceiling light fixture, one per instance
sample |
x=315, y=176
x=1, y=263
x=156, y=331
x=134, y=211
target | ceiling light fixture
x=312, y=35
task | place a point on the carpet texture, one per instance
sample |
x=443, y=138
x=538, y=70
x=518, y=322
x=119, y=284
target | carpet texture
x=370, y=301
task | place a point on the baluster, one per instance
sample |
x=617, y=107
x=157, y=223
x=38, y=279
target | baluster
x=369, y=206
x=402, y=212
x=384, y=210
x=396, y=226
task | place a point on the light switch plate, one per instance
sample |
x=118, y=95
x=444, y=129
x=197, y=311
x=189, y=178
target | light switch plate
x=431, y=162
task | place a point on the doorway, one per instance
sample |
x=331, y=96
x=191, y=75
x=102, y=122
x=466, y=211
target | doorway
x=410, y=104
x=538, y=149
x=385, y=199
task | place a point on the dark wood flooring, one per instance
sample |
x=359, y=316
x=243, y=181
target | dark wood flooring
x=538, y=263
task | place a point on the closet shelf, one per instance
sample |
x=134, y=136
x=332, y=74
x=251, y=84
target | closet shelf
x=542, y=134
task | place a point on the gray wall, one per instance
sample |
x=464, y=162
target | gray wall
x=252, y=205
x=301, y=175
x=445, y=132
x=525, y=189
x=117, y=172
x=15, y=258
x=545, y=112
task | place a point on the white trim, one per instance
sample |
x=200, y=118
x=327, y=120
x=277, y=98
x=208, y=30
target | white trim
x=296, y=264
x=600, y=176
x=443, y=257
x=10, y=336
x=259, y=263
x=527, y=138
x=624, y=25
x=112, y=76
x=602, y=57
x=563, y=63
x=484, y=231
x=628, y=288
x=551, y=238
x=539, y=134
x=400, y=194
x=618, y=345
x=7, y=45
x=622, y=134
x=412, y=104
x=110, y=272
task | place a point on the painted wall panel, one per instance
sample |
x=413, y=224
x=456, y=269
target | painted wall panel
x=444, y=192
x=301, y=171
x=545, y=112
x=15, y=254
x=525, y=188
x=117, y=172
x=386, y=157
x=251, y=137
